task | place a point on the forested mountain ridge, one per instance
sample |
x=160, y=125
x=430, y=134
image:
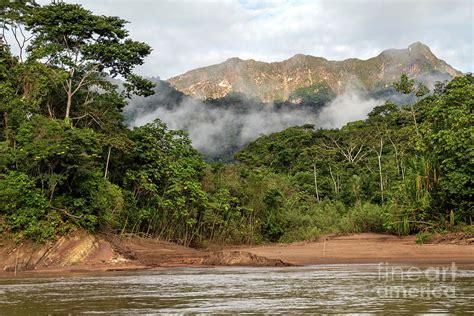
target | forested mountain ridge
x=277, y=80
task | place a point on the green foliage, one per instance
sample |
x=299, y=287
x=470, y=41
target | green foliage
x=364, y=218
x=63, y=31
x=64, y=160
x=25, y=209
x=68, y=161
x=84, y=50
x=405, y=85
x=423, y=237
x=420, y=175
x=314, y=96
x=448, y=135
x=162, y=172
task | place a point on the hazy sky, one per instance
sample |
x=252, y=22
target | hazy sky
x=186, y=34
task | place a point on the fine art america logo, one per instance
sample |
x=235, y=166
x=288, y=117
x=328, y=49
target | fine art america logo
x=416, y=282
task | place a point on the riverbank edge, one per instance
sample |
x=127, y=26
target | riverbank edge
x=86, y=253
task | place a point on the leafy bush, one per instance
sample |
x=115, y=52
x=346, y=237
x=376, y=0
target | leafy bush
x=364, y=218
x=423, y=237
x=25, y=208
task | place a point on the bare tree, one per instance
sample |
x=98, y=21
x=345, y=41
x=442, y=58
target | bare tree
x=352, y=151
x=316, y=182
x=378, y=151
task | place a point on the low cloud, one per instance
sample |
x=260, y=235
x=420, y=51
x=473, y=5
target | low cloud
x=216, y=130
x=348, y=107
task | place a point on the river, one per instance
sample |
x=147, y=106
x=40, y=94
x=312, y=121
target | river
x=366, y=288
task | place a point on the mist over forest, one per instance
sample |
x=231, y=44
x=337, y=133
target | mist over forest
x=220, y=127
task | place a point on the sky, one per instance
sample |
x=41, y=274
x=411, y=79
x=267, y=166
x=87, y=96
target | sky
x=187, y=34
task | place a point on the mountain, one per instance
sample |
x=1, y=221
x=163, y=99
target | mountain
x=277, y=80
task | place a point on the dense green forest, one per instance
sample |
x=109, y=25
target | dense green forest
x=67, y=160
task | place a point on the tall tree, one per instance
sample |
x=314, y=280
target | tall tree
x=12, y=15
x=407, y=86
x=88, y=48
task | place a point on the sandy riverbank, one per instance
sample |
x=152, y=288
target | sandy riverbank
x=367, y=248
x=82, y=252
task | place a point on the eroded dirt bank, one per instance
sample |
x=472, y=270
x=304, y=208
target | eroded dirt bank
x=82, y=252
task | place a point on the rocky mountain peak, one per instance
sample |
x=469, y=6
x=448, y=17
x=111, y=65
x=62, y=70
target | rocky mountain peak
x=419, y=46
x=277, y=80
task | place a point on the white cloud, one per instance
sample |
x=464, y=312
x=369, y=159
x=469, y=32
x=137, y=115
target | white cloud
x=187, y=34
x=348, y=107
x=216, y=130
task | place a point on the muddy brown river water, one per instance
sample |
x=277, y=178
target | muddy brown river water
x=370, y=288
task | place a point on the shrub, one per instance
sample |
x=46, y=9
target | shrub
x=25, y=208
x=363, y=218
x=423, y=237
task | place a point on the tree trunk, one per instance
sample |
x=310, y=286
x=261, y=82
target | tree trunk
x=336, y=191
x=316, y=182
x=381, y=177
x=414, y=120
x=7, y=128
x=70, y=94
x=107, y=163
x=379, y=158
x=397, y=158
x=68, y=104
x=50, y=109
